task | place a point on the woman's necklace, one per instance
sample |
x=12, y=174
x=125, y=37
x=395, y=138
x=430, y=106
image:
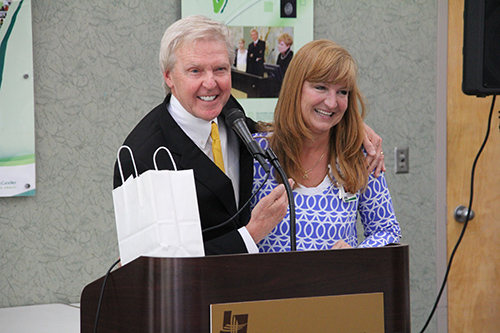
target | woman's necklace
x=286, y=54
x=306, y=173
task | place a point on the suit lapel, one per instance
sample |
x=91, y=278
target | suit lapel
x=246, y=182
x=189, y=156
x=246, y=166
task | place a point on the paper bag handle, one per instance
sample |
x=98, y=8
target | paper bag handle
x=171, y=158
x=120, y=165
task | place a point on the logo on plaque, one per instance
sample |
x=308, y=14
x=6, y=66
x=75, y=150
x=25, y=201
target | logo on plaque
x=234, y=323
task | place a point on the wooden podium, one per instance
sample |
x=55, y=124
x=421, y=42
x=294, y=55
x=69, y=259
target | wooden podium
x=175, y=294
x=253, y=85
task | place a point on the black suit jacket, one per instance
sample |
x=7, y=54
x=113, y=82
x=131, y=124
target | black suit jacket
x=256, y=52
x=215, y=193
x=284, y=62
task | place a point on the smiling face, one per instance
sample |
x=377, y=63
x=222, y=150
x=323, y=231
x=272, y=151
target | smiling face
x=201, y=78
x=323, y=105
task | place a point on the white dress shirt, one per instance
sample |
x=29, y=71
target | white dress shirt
x=198, y=130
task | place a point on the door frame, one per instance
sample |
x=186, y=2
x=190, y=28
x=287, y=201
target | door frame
x=441, y=153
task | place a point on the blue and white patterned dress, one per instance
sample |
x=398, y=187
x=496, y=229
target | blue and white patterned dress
x=323, y=218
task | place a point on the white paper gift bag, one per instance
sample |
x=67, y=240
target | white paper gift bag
x=157, y=213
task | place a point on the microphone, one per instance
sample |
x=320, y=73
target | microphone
x=235, y=119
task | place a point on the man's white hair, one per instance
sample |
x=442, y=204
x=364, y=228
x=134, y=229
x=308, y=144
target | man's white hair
x=188, y=30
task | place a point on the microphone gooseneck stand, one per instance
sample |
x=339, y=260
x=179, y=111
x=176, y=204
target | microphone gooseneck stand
x=235, y=119
x=271, y=156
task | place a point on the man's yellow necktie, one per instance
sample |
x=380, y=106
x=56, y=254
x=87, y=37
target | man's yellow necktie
x=216, y=147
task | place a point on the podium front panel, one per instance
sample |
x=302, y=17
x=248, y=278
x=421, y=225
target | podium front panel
x=175, y=294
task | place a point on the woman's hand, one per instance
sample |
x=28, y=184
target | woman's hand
x=341, y=245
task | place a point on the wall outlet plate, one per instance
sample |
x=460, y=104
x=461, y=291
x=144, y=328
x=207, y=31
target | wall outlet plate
x=401, y=160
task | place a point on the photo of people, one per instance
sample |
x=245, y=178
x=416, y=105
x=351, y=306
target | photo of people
x=3, y=10
x=240, y=61
x=255, y=57
x=286, y=54
x=262, y=55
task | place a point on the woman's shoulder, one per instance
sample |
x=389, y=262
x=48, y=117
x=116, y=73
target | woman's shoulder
x=262, y=139
x=261, y=135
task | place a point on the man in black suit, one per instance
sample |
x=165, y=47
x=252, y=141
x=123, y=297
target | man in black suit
x=255, y=55
x=195, y=58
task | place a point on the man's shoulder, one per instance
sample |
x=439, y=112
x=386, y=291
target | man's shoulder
x=233, y=103
x=150, y=132
x=148, y=127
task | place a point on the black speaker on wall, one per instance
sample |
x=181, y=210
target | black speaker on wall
x=481, y=51
x=288, y=9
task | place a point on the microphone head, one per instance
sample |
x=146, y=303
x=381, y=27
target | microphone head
x=232, y=115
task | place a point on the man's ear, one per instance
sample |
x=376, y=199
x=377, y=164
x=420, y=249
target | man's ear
x=167, y=76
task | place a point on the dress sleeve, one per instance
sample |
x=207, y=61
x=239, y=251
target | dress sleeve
x=259, y=175
x=377, y=214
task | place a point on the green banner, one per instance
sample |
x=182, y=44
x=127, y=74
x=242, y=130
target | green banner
x=17, y=103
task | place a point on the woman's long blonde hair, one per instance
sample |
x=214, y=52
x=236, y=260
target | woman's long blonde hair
x=321, y=61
